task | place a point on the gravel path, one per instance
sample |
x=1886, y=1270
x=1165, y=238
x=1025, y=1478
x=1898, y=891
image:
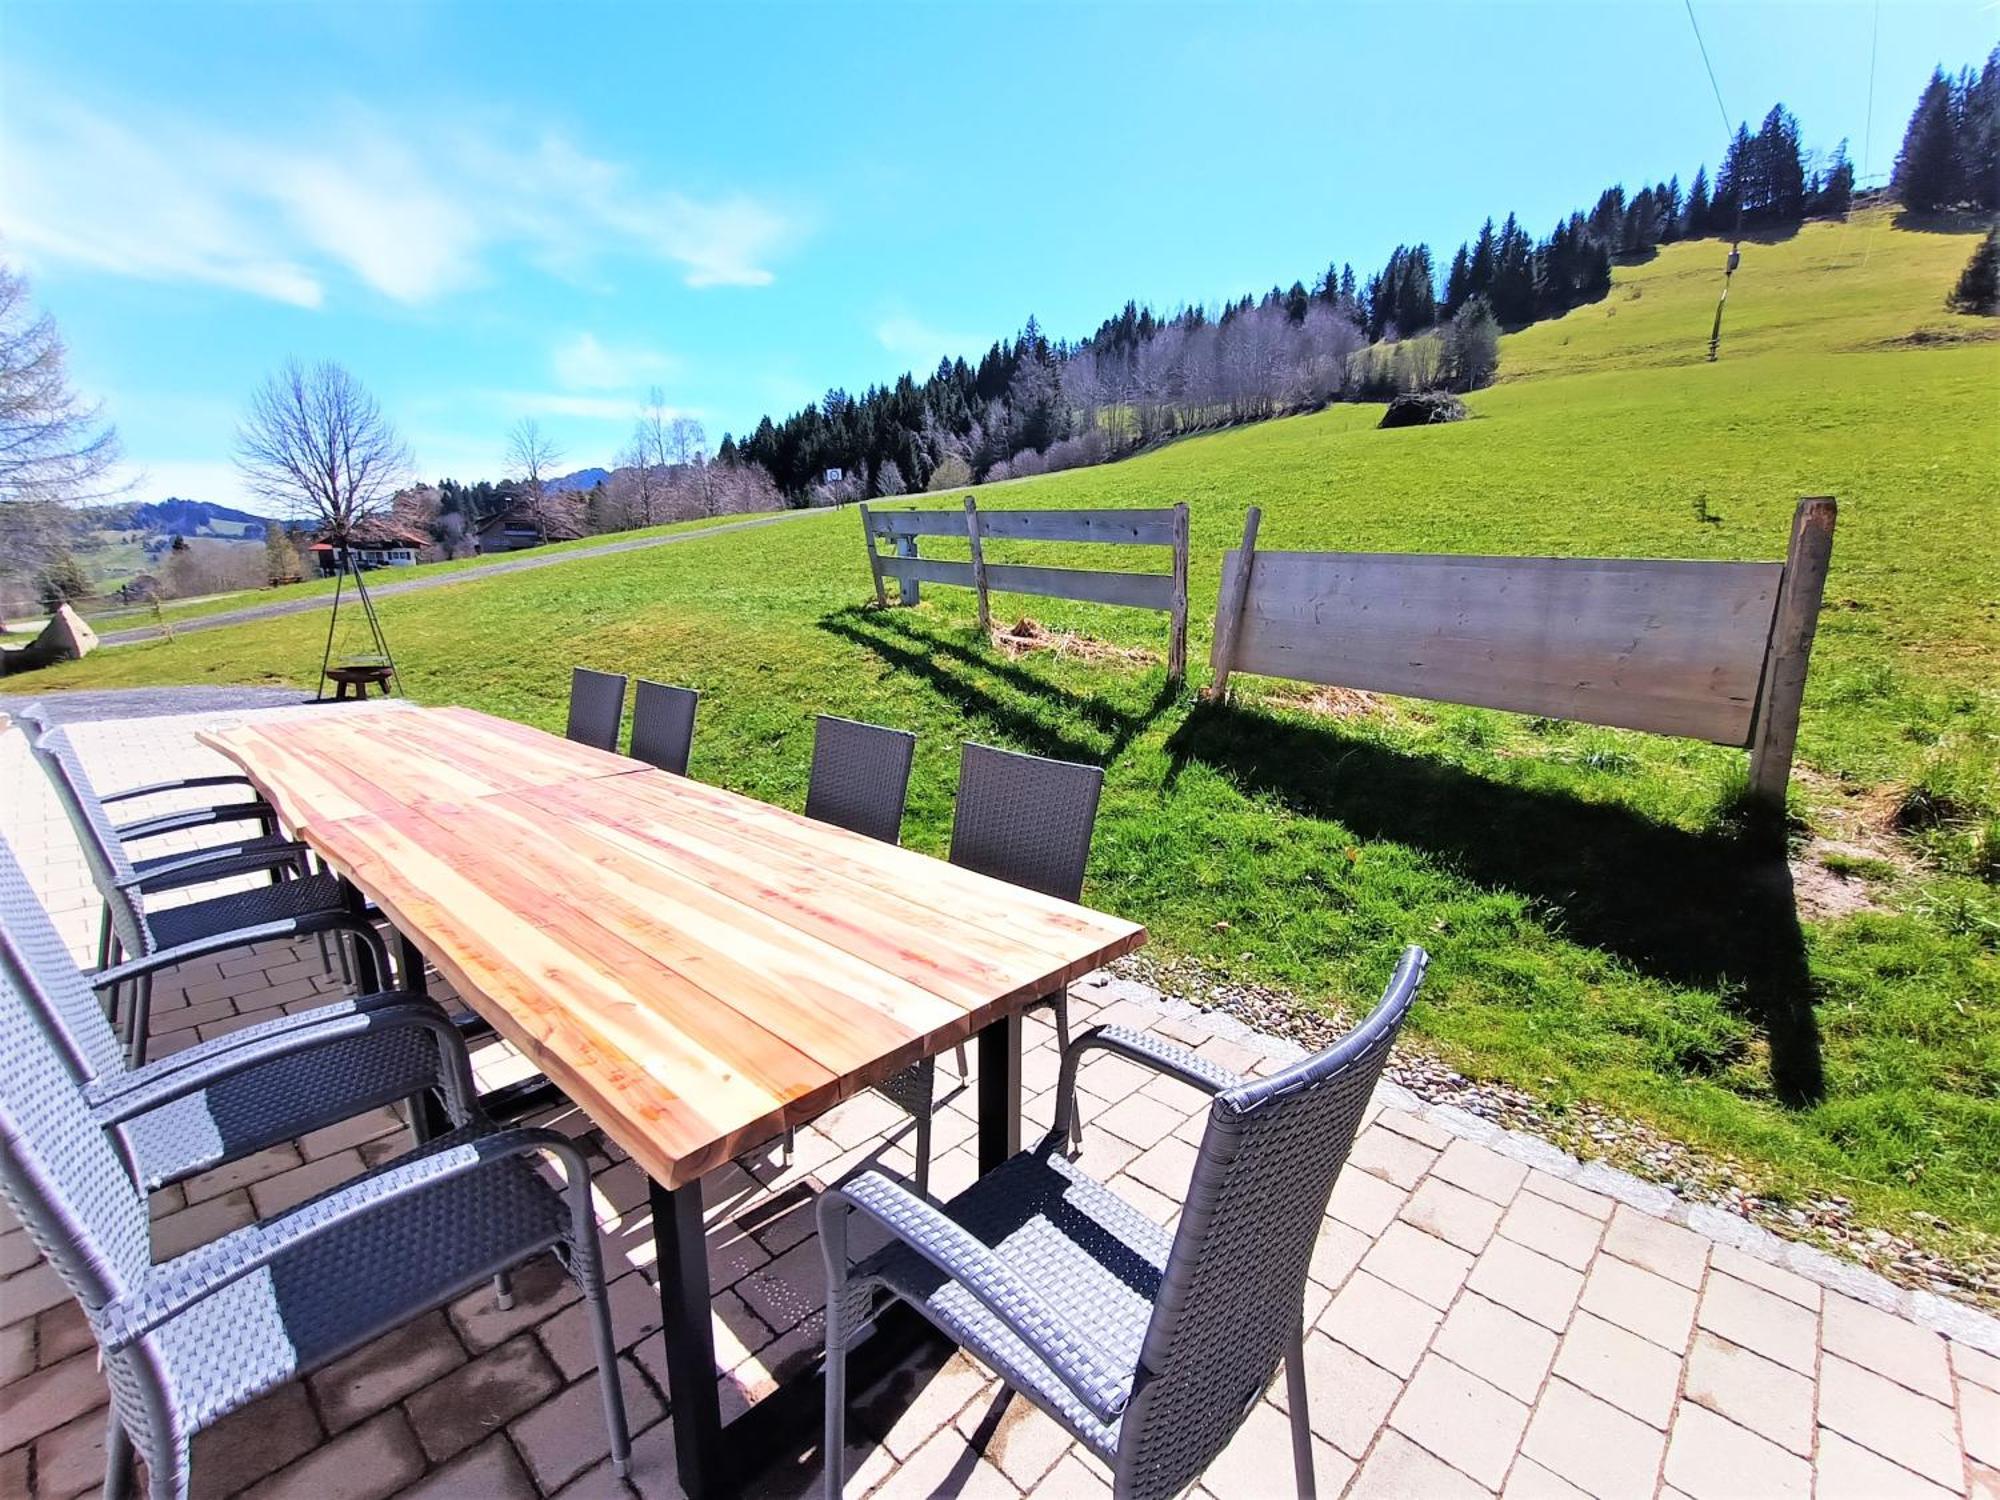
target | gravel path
x=513, y=564
x=148, y=703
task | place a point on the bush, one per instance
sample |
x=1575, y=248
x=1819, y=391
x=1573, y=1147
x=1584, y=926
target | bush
x=1978, y=289
x=62, y=582
x=951, y=473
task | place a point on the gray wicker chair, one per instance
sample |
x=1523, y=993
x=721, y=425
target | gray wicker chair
x=1151, y=1347
x=238, y=1093
x=596, y=704
x=860, y=776
x=291, y=907
x=189, y=1340
x=663, y=725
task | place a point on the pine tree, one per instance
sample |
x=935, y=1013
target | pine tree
x=1458, y=282
x=1834, y=192
x=1695, y=217
x=1978, y=289
x=1484, y=256
x=1979, y=136
x=1926, y=175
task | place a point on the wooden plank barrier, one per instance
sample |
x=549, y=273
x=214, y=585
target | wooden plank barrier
x=1163, y=527
x=1709, y=650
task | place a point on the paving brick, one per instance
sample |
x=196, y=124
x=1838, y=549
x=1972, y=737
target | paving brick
x=383, y=1372
x=1751, y=1391
x=1845, y=1470
x=1421, y=1264
x=1711, y=1458
x=273, y=1195
x=789, y=1289
x=480, y=1397
x=913, y=1415
x=1529, y=1283
x=1497, y=1344
x=14, y=1472
x=1451, y=1213
x=1258, y=1461
x=1478, y=1170
x=71, y=1459
x=375, y=1459
x=352, y=1132
x=242, y=1172
x=1562, y=1234
x=1760, y=1321
x=1979, y=1411
x=489, y=1472
x=60, y=1332
x=49, y=1398
x=17, y=1252
x=1014, y=1435
x=1399, y=1470
x=1918, y=1433
x=566, y=1435
x=1366, y=1202
x=1528, y=1480
x=1592, y=1444
x=944, y=1464
x=1347, y=1397
x=255, y=1440
x=1073, y=1479
x=635, y=1315
x=1650, y=1306
x=1167, y=1168
x=17, y=1350
x=178, y=1233
x=1888, y=1345
x=1972, y=1365
x=1633, y=1374
x=1424, y=1132
x=1139, y=1120
x=1792, y=1287
x=1393, y=1157
x=31, y=1291
x=1568, y=1194
x=1387, y=1325
x=541, y=1289
x=1473, y=1426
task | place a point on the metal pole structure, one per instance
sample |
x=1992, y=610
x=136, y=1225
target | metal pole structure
x=375, y=629
x=333, y=618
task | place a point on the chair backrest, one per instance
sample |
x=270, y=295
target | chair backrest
x=1025, y=819
x=51, y=980
x=103, y=851
x=860, y=776
x=663, y=725
x=1231, y=1298
x=596, y=704
x=60, y=1173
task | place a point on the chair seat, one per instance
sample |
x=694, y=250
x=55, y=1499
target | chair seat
x=1096, y=1259
x=173, y=925
x=279, y=1099
x=338, y=1290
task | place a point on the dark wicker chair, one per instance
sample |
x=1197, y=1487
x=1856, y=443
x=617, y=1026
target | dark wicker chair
x=596, y=704
x=860, y=777
x=291, y=907
x=192, y=1339
x=663, y=725
x=240, y=1092
x=1150, y=1347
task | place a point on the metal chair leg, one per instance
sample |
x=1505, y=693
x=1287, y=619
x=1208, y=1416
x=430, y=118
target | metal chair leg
x=924, y=1154
x=104, y=937
x=117, y=1459
x=608, y=1380
x=791, y=1143
x=833, y=1442
x=1295, y=1398
x=141, y=1021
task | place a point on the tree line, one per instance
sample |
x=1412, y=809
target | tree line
x=1032, y=404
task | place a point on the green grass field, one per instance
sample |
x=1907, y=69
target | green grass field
x=1600, y=933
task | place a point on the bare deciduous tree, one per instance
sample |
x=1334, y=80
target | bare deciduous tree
x=316, y=444
x=55, y=448
x=531, y=459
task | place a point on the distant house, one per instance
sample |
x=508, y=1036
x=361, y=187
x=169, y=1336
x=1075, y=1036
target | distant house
x=377, y=543
x=516, y=527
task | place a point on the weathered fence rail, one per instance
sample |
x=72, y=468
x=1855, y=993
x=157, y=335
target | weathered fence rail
x=1707, y=650
x=1165, y=527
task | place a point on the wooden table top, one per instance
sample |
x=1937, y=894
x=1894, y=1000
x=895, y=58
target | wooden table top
x=695, y=969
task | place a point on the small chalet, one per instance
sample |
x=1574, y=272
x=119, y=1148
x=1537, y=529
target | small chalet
x=516, y=527
x=378, y=542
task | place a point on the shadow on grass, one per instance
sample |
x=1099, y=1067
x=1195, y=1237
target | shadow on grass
x=1707, y=910
x=986, y=687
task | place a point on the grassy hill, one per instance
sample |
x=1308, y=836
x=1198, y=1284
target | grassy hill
x=1601, y=940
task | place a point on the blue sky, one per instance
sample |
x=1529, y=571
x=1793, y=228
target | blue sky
x=490, y=211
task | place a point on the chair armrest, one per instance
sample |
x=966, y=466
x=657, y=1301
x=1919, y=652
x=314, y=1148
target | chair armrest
x=195, y=869
x=194, y=817
x=243, y=937
x=177, y=1285
x=1003, y=1291
x=184, y=784
x=154, y=1085
x=1169, y=1058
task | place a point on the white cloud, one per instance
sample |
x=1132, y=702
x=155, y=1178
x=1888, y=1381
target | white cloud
x=569, y=404
x=584, y=363
x=413, y=212
x=920, y=343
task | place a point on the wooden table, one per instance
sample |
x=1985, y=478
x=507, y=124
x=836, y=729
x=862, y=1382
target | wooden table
x=695, y=969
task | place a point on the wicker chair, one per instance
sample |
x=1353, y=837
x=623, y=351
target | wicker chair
x=1150, y=1347
x=189, y=1340
x=596, y=704
x=663, y=725
x=860, y=777
x=238, y=1093
x=290, y=907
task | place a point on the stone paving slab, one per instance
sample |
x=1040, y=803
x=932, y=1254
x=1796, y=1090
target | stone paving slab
x=1487, y=1314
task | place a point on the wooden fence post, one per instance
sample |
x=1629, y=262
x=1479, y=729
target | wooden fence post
x=978, y=563
x=1177, y=646
x=907, y=592
x=1774, y=732
x=1229, y=607
x=874, y=560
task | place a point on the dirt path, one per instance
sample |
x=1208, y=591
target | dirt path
x=520, y=563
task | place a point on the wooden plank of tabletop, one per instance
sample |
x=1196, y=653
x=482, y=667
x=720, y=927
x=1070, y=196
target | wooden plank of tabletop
x=692, y=1007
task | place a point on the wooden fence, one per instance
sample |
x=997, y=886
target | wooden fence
x=1709, y=650
x=1166, y=527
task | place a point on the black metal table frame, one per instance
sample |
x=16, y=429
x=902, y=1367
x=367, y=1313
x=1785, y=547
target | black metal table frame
x=711, y=1458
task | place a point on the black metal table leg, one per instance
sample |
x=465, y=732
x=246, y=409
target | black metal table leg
x=366, y=980
x=999, y=1091
x=435, y=1119
x=682, y=1249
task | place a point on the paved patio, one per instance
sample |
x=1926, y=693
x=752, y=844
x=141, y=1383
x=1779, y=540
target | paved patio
x=1486, y=1314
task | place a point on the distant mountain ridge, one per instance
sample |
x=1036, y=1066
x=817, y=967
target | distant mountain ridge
x=175, y=516
x=582, y=479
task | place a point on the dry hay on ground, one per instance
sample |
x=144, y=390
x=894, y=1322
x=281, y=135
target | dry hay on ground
x=1332, y=703
x=1026, y=635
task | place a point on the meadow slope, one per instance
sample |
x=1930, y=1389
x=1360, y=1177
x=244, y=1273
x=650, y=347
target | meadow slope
x=1601, y=937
